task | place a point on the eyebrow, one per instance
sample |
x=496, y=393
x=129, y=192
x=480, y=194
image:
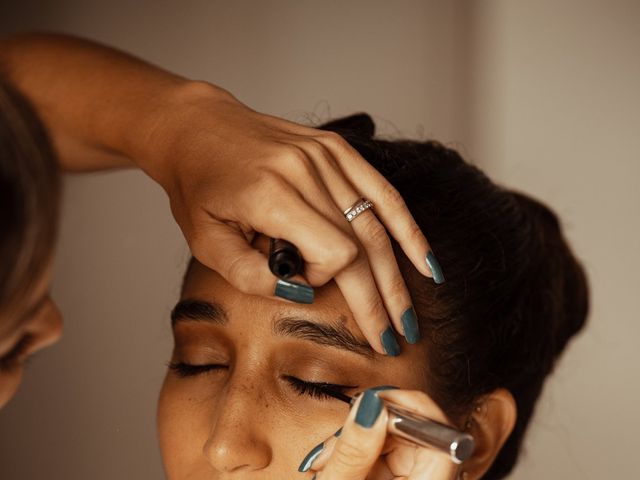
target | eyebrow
x=198, y=310
x=335, y=334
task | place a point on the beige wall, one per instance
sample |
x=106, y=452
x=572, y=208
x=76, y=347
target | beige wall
x=556, y=112
x=543, y=96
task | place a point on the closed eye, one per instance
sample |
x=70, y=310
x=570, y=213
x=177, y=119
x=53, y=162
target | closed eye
x=183, y=369
x=318, y=390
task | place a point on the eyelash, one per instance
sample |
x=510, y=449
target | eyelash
x=317, y=390
x=11, y=359
x=184, y=370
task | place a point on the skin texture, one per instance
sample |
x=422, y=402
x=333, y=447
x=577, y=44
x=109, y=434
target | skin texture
x=34, y=324
x=246, y=421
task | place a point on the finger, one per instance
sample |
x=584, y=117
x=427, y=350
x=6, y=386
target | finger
x=318, y=455
x=416, y=401
x=355, y=278
x=414, y=462
x=433, y=465
x=243, y=266
x=360, y=443
x=390, y=207
x=359, y=290
x=381, y=471
x=374, y=239
x=325, y=247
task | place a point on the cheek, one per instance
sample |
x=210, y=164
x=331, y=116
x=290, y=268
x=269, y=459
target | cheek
x=184, y=420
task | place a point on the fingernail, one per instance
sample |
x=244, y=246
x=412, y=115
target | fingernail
x=338, y=432
x=389, y=342
x=436, y=270
x=410, y=325
x=369, y=409
x=310, y=458
x=296, y=292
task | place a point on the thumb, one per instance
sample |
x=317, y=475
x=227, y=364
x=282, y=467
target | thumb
x=225, y=249
x=360, y=444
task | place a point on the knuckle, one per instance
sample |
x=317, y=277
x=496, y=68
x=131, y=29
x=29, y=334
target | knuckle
x=350, y=454
x=391, y=196
x=374, y=232
x=335, y=140
x=414, y=234
x=239, y=274
x=396, y=290
x=267, y=200
x=261, y=189
x=375, y=308
x=297, y=160
x=319, y=151
x=378, y=310
x=341, y=257
x=331, y=261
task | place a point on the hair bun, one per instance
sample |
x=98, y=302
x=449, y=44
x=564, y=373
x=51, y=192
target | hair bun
x=358, y=124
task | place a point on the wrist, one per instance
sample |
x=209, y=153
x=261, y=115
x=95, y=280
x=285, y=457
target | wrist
x=157, y=141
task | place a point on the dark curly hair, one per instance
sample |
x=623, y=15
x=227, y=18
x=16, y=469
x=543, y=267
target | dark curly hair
x=515, y=293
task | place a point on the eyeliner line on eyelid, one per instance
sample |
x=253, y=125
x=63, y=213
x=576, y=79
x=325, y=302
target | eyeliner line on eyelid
x=317, y=390
x=185, y=370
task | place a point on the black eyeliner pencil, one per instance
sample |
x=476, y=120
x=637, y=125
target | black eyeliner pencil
x=421, y=430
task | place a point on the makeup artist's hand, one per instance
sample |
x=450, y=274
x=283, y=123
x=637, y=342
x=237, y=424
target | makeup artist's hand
x=230, y=172
x=363, y=450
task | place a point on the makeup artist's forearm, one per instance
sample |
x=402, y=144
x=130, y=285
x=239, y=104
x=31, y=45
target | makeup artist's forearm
x=100, y=105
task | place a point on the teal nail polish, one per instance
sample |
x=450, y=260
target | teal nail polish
x=338, y=432
x=410, y=325
x=369, y=409
x=389, y=342
x=432, y=261
x=311, y=456
x=294, y=291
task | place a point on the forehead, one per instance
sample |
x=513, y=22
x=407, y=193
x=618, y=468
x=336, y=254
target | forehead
x=329, y=304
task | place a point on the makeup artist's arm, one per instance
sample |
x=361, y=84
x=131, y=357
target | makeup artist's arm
x=229, y=171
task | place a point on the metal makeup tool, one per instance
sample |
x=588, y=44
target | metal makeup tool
x=284, y=258
x=421, y=430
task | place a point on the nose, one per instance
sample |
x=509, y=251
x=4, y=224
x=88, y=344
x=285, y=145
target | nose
x=45, y=327
x=238, y=441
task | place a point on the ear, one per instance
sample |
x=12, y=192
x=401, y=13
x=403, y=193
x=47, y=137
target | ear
x=492, y=422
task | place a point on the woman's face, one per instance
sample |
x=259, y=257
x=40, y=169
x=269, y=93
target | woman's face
x=236, y=401
x=26, y=327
